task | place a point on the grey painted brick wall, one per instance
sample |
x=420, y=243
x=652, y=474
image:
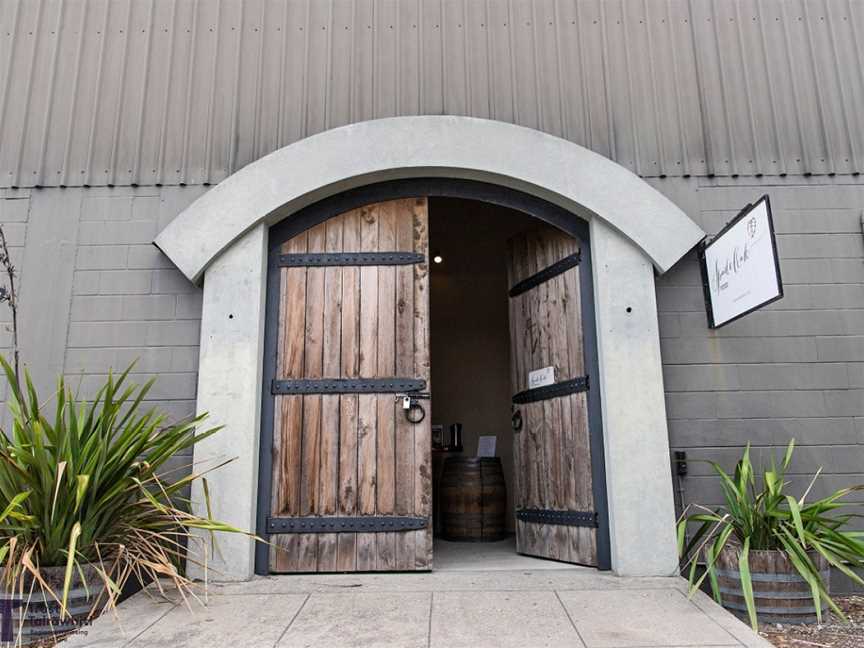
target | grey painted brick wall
x=125, y=301
x=792, y=370
x=128, y=301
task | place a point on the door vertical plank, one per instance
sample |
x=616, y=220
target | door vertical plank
x=386, y=448
x=330, y=404
x=367, y=407
x=571, y=320
x=350, y=364
x=587, y=542
x=514, y=313
x=312, y=411
x=279, y=554
x=553, y=333
x=536, y=420
x=527, y=440
x=565, y=536
x=518, y=325
x=346, y=559
x=404, y=334
x=559, y=426
x=573, y=311
x=582, y=539
x=367, y=422
x=287, y=473
x=278, y=557
x=422, y=431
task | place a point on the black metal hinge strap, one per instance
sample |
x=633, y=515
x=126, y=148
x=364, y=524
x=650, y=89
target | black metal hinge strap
x=350, y=259
x=372, y=524
x=563, y=388
x=566, y=518
x=557, y=268
x=347, y=386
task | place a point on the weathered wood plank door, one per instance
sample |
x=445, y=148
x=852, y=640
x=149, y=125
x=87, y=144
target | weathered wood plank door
x=351, y=480
x=555, y=515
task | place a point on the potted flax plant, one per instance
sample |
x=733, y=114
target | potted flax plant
x=768, y=555
x=86, y=506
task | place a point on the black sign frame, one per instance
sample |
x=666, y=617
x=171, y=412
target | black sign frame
x=705, y=244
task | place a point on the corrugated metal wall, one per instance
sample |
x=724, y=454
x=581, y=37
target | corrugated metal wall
x=119, y=92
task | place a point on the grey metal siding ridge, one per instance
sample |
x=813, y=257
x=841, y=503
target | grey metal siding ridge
x=172, y=92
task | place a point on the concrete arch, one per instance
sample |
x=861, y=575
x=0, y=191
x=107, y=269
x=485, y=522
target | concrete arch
x=633, y=231
x=551, y=168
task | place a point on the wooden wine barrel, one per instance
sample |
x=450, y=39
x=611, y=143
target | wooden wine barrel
x=781, y=595
x=42, y=622
x=473, y=500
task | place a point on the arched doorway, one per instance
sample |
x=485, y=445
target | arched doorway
x=345, y=479
x=634, y=231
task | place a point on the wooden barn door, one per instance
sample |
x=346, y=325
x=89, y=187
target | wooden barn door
x=351, y=485
x=555, y=515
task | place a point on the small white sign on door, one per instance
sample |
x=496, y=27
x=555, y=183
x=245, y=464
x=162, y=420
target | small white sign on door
x=541, y=377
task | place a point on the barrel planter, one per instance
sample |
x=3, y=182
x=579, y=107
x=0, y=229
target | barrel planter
x=473, y=500
x=781, y=595
x=41, y=621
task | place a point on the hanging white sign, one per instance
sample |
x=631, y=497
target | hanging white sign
x=740, y=267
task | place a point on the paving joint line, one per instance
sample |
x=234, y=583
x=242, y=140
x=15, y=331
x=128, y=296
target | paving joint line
x=149, y=627
x=370, y=590
x=429, y=627
x=291, y=622
x=689, y=600
x=572, y=622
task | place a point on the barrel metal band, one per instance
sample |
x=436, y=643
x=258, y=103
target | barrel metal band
x=563, y=388
x=768, y=595
x=565, y=518
x=557, y=268
x=742, y=607
x=770, y=577
x=393, y=385
x=320, y=259
x=371, y=524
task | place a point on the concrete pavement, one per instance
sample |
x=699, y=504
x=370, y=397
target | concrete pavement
x=494, y=608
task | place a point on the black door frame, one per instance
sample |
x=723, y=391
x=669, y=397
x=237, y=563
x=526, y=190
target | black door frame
x=432, y=187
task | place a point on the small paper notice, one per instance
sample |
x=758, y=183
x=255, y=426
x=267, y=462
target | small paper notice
x=541, y=377
x=486, y=446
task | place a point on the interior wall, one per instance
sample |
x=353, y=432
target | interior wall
x=470, y=336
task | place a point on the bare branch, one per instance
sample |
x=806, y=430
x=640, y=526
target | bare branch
x=10, y=297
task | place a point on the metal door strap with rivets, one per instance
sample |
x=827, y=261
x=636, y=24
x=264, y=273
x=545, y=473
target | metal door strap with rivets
x=566, y=518
x=371, y=524
x=395, y=385
x=563, y=388
x=323, y=259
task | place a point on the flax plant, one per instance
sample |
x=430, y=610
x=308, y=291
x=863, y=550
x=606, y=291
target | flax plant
x=758, y=515
x=86, y=484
